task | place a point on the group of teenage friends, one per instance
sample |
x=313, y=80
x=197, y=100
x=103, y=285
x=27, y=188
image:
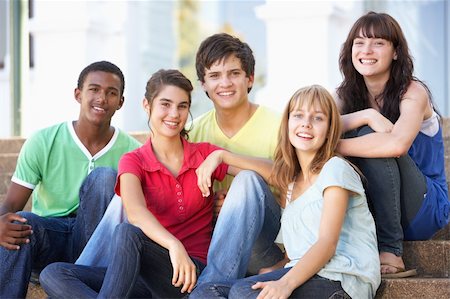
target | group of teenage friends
x=313, y=203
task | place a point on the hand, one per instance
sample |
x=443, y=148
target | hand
x=272, y=289
x=219, y=197
x=12, y=235
x=184, y=270
x=378, y=123
x=206, y=169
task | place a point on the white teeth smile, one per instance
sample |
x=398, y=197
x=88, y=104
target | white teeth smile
x=228, y=93
x=99, y=109
x=304, y=135
x=367, y=61
x=171, y=123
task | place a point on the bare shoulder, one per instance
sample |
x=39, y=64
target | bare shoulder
x=416, y=91
x=338, y=101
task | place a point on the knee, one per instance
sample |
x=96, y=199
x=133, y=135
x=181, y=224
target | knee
x=50, y=272
x=126, y=233
x=248, y=177
x=31, y=218
x=241, y=289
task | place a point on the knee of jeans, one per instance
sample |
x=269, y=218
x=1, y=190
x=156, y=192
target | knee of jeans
x=49, y=273
x=240, y=289
x=248, y=177
x=126, y=233
x=29, y=216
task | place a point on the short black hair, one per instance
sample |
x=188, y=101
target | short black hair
x=102, y=66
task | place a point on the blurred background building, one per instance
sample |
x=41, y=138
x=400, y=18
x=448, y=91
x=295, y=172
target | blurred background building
x=44, y=44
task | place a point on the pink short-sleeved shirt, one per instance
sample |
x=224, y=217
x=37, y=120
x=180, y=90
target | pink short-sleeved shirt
x=176, y=202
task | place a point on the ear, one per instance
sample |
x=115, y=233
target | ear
x=146, y=106
x=251, y=80
x=122, y=100
x=77, y=95
x=395, y=55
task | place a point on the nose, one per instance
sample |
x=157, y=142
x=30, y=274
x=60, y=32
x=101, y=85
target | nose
x=306, y=123
x=173, y=112
x=225, y=81
x=101, y=95
x=367, y=48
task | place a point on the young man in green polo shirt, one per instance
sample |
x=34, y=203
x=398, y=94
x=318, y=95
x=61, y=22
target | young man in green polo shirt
x=69, y=169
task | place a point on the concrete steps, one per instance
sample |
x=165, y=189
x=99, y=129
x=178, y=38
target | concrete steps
x=430, y=258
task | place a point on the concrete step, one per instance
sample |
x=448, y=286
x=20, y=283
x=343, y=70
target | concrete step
x=443, y=234
x=35, y=292
x=5, y=180
x=11, y=145
x=8, y=162
x=431, y=258
x=417, y=288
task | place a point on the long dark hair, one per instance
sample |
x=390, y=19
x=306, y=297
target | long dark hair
x=352, y=91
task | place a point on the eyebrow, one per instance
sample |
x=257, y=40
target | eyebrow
x=171, y=101
x=98, y=85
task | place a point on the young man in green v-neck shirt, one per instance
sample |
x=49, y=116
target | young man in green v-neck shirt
x=69, y=170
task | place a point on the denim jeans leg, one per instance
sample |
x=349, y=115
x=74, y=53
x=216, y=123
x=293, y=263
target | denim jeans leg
x=383, y=192
x=50, y=242
x=315, y=287
x=96, y=193
x=250, y=214
x=97, y=250
x=413, y=189
x=212, y=290
x=62, y=279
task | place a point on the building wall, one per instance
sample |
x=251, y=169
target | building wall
x=295, y=43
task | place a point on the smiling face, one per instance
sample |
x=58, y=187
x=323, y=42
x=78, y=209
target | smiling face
x=308, y=128
x=99, y=97
x=372, y=57
x=169, y=111
x=227, y=84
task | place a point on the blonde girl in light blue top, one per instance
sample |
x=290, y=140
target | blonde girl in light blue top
x=327, y=229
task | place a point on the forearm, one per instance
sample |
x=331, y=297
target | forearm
x=355, y=120
x=373, y=145
x=310, y=264
x=151, y=227
x=260, y=165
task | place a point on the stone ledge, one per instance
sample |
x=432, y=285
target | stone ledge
x=418, y=287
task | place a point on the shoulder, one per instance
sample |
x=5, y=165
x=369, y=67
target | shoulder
x=266, y=112
x=46, y=135
x=204, y=118
x=126, y=139
x=339, y=167
x=416, y=91
x=204, y=148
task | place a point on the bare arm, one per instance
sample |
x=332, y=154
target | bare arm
x=413, y=109
x=369, y=117
x=184, y=271
x=235, y=163
x=12, y=235
x=332, y=219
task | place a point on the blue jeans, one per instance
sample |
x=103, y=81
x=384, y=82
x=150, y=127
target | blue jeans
x=243, y=238
x=315, y=287
x=56, y=239
x=395, y=189
x=139, y=268
x=242, y=241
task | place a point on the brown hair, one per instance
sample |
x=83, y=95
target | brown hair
x=286, y=166
x=162, y=78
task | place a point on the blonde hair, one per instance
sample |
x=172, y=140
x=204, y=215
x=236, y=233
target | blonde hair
x=286, y=166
